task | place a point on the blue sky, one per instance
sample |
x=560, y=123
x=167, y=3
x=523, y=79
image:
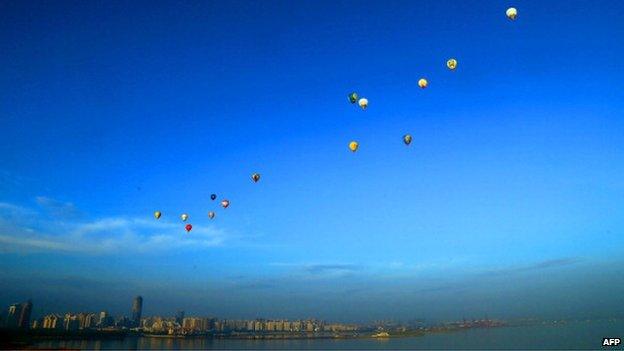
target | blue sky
x=512, y=187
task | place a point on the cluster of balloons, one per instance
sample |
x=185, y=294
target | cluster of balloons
x=451, y=64
x=225, y=203
x=362, y=102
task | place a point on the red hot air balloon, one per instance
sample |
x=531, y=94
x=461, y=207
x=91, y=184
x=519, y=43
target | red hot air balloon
x=225, y=203
x=188, y=227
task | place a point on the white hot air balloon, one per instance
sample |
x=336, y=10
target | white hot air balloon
x=363, y=102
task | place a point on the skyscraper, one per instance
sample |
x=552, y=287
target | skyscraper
x=179, y=317
x=24, y=318
x=137, y=307
x=13, y=315
x=18, y=315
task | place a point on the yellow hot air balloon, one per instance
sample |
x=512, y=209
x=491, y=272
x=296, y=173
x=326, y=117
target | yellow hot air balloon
x=363, y=103
x=353, y=146
x=157, y=214
x=511, y=13
x=422, y=83
x=184, y=217
x=451, y=64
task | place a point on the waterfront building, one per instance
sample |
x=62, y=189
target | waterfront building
x=179, y=317
x=12, y=315
x=90, y=321
x=122, y=322
x=52, y=321
x=18, y=315
x=137, y=309
x=195, y=324
x=24, y=319
x=104, y=320
x=71, y=322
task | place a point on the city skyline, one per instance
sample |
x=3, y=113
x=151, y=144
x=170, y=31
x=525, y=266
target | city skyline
x=18, y=317
x=508, y=202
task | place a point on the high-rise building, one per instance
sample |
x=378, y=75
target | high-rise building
x=104, y=320
x=137, y=308
x=89, y=321
x=179, y=317
x=18, y=315
x=24, y=318
x=71, y=322
x=12, y=315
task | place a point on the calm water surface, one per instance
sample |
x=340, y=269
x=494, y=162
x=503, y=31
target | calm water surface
x=573, y=335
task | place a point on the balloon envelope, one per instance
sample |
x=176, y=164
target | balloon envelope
x=407, y=139
x=353, y=146
x=213, y=196
x=511, y=13
x=184, y=217
x=157, y=214
x=211, y=215
x=188, y=227
x=363, y=103
x=353, y=97
x=451, y=64
x=225, y=203
x=422, y=83
x=255, y=177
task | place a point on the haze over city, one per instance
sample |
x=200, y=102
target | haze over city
x=508, y=203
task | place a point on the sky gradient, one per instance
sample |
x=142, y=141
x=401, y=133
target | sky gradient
x=509, y=201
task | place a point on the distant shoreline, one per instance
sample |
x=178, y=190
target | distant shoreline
x=24, y=338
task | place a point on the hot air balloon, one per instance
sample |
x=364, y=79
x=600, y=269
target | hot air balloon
x=353, y=97
x=363, y=103
x=157, y=214
x=225, y=203
x=211, y=215
x=353, y=146
x=451, y=64
x=407, y=139
x=422, y=83
x=184, y=217
x=213, y=197
x=188, y=227
x=255, y=177
x=511, y=13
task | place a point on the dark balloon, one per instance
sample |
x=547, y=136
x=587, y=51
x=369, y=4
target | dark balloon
x=353, y=97
x=407, y=139
x=213, y=197
x=255, y=177
x=188, y=228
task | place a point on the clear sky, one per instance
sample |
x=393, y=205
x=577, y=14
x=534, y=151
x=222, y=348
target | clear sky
x=509, y=201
